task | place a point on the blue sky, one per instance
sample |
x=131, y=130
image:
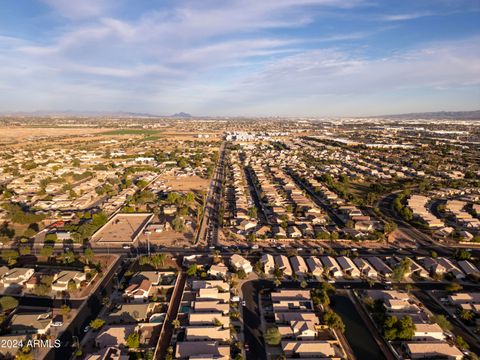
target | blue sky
x=240, y=57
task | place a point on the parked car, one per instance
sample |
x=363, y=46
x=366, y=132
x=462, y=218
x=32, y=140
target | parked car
x=57, y=320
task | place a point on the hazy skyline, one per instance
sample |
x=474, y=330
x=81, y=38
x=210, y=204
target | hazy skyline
x=269, y=57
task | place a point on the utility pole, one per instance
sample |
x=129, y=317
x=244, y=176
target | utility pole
x=148, y=243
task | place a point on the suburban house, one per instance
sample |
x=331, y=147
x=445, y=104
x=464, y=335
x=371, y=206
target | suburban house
x=16, y=277
x=428, y=332
x=315, y=266
x=208, y=319
x=138, y=291
x=365, y=268
x=348, y=266
x=114, y=335
x=208, y=330
x=332, y=266
x=240, y=263
x=380, y=266
x=310, y=349
x=299, y=267
x=30, y=323
x=131, y=313
x=202, y=333
x=298, y=330
x=218, y=270
x=268, y=263
x=282, y=263
x=202, y=350
x=451, y=268
x=61, y=279
x=433, y=350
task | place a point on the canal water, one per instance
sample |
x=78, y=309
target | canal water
x=358, y=336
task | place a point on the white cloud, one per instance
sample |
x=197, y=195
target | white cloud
x=408, y=16
x=215, y=55
x=80, y=9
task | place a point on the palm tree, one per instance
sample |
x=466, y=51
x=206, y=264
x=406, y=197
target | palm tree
x=176, y=323
x=467, y=315
x=158, y=260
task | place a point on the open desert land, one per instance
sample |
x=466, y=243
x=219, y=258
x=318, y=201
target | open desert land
x=186, y=183
x=21, y=134
x=167, y=238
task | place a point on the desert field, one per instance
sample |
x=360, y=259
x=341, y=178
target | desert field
x=186, y=183
x=14, y=134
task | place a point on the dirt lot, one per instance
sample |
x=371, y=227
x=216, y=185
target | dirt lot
x=187, y=183
x=11, y=134
x=167, y=238
x=123, y=228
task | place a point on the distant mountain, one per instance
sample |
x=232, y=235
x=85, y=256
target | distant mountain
x=181, y=115
x=80, y=113
x=452, y=115
x=123, y=114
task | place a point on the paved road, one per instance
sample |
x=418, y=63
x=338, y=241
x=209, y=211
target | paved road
x=252, y=322
x=208, y=232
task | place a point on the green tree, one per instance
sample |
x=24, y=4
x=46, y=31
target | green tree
x=46, y=251
x=51, y=237
x=89, y=255
x=176, y=323
x=65, y=310
x=192, y=270
x=72, y=286
x=333, y=320
x=406, y=328
x=67, y=257
x=453, y=287
x=272, y=336
x=466, y=315
x=10, y=256
x=241, y=274
x=401, y=269
x=158, y=260
x=8, y=303
x=252, y=212
x=190, y=198
x=178, y=224
x=24, y=250
x=97, y=323
x=462, y=254
x=461, y=343
x=389, y=227
x=133, y=340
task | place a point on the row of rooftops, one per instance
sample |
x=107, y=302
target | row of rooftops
x=208, y=330
x=17, y=278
